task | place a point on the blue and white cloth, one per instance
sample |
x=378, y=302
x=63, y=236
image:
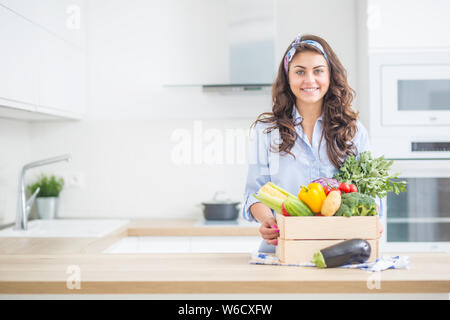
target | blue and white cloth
x=380, y=264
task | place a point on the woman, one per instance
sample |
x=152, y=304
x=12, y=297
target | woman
x=309, y=133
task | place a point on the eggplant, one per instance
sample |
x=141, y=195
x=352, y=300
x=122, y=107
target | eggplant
x=342, y=253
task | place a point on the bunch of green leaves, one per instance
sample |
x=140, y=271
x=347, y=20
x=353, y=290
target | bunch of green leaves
x=49, y=186
x=371, y=176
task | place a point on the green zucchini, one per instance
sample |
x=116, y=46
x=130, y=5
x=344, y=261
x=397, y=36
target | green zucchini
x=296, y=207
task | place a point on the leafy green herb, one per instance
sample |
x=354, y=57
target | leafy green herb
x=49, y=186
x=371, y=176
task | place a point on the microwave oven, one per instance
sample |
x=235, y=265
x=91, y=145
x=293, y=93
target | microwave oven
x=415, y=95
x=408, y=101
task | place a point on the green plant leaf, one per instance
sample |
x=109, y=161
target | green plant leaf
x=50, y=186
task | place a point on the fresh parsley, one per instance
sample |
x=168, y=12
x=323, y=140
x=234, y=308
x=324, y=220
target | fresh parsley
x=371, y=176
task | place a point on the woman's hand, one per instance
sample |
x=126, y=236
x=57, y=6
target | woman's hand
x=269, y=231
x=380, y=226
x=380, y=229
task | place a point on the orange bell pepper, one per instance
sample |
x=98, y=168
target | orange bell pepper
x=313, y=195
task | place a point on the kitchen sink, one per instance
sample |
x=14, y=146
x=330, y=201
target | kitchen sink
x=66, y=228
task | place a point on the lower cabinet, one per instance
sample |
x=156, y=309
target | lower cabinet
x=198, y=244
x=231, y=244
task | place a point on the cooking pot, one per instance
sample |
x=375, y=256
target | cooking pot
x=218, y=209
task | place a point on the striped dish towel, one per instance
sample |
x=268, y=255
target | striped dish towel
x=383, y=263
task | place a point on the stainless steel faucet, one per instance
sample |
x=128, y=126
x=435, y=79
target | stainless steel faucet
x=23, y=205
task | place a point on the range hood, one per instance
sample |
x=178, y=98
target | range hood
x=251, y=38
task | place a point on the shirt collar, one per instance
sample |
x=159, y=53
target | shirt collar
x=298, y=118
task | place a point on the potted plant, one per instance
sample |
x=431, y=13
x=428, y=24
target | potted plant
x=48, y=196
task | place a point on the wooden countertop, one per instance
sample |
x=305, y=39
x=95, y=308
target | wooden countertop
x=189, y=228
x=48, y=265
x=209, y=273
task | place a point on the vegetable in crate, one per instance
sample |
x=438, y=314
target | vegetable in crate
x=357, y=204
x=327, y=182
x=313, y=195
x=284, y=211
x=272, y=196
x=347, y=187
x=331, y=204
x=296, y=207
x=342, y=253
x=370, y=176
x=281, y=200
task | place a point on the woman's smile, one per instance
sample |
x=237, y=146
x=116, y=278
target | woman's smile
x=310, y=90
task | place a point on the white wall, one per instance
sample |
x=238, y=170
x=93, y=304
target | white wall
x=123, y=149
x=15, y=152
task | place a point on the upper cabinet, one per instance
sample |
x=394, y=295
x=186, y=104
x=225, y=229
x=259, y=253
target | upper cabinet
x=221, y=42
x=196, y=47
x=408, y=25
x=63, y=18
x=18, y=76
x=43, y=60
x=62, y=77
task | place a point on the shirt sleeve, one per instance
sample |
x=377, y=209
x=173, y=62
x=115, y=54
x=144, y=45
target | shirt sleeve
x=362, y=139
x=258, y=169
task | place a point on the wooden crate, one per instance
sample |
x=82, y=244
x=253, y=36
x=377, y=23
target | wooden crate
x=327, y=228
x=301, y=237
x=302, y=251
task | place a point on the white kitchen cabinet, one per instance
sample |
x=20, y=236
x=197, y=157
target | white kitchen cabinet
x=163, y=245
x=24, y=8
x=18, y=75
x=63, y=18
x=42, y=61
x=197, y=50
x=151, y=244
x=408, y=25
x=61, y=77
x=180, y=244
x=224, y=244
x=221, y=42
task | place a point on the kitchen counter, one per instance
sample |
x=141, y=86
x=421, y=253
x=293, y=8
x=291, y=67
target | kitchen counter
x=209, y=273
x=54, y=266
x=137, y=227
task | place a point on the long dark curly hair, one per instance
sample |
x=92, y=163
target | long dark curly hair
x=338, y=117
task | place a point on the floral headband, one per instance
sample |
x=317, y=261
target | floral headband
x=291, y=52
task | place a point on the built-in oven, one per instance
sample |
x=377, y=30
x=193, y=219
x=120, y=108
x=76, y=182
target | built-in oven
x=419, y=219
x=409, y=122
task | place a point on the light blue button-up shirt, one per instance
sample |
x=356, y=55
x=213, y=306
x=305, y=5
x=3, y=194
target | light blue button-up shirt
x=310, y=162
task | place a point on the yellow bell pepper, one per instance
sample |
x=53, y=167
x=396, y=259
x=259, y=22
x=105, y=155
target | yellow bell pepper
x=313, y=195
